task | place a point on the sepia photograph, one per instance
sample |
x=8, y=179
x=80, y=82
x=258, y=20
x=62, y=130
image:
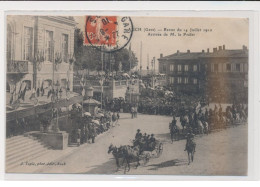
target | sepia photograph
x=120, y=95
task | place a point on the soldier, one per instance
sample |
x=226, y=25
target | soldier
x=189, y=138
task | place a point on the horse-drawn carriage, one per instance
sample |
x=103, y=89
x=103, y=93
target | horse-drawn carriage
x=151, y=149
x=138, y=152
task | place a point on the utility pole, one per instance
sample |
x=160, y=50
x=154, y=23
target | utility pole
x=141, y=59
x=154, y=65
x=148, y=64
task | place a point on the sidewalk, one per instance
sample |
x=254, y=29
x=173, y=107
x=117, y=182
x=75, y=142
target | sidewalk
x=51, y=158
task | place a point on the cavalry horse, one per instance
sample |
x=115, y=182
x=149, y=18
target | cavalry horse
x=190, y=150
x=174, y=131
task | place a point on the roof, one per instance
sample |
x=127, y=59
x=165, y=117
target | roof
x=236, y=53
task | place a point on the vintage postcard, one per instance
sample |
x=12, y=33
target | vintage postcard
x=127, y=95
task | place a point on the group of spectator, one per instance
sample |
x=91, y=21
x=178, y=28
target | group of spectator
x=88, y=127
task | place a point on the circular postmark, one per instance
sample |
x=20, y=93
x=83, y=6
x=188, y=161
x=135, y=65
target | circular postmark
x=108, y=33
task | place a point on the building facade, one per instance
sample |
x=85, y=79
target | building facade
x=39, y=52
x=222, y=73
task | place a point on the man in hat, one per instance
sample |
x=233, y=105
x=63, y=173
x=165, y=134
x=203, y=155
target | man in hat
x=138, y=137
x=152, y=142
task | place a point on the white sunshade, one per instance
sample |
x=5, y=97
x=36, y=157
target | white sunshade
x=95, y=121
x=87, y=114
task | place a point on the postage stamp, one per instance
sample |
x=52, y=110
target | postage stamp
x=108, y=33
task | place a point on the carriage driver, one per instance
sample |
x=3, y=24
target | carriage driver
x=138, y=137
x=189, y=137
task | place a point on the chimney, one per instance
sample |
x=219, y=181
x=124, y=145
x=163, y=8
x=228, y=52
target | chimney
x=188, y=51
x=178, y=52
x=244, y=48
x=208, y=50
x=224, y=47
x=219, y=48
x=215, y=49
x=203, y=51
x=161, y=55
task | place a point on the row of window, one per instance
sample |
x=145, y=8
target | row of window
x=48, y=45
x=214, y=67
x=186, y=67
x=182, y=80
x=227, y=67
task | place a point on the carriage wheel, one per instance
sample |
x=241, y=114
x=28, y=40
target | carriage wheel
x=146, y=158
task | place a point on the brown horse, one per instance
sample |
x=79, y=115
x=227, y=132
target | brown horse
x=131, y=154
x=117, y=153
x=190, y=150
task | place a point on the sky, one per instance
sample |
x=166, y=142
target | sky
x=231, y=32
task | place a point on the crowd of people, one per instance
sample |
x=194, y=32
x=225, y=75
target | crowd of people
x=87, y=127
x=163, y=101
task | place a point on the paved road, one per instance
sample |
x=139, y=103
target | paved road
x=220, y=153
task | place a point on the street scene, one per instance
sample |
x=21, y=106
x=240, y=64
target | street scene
x=125, y=96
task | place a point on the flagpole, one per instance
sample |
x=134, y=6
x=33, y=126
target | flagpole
x=141, y=60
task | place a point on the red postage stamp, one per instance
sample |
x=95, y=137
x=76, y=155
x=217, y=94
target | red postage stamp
x=108, y=33
x=101, y=30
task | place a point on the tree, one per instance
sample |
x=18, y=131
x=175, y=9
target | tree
x=126, y=58
x=89, y=57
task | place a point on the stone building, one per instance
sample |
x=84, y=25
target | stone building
x=223, y=72
x=40, y=49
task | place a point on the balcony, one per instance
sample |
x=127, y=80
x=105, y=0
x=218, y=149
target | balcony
x=20, y=66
